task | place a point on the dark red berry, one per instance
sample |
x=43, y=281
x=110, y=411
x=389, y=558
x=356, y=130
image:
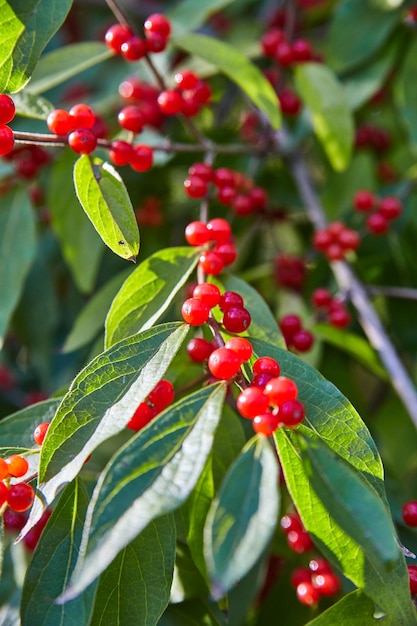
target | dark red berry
x=195, y=187
x=327, y=583
x=230, y=299
x=202, y=170
x=32, y=537
x=3, y=493
x=302, y=340
x=236, y=320
x=291, y=413
x=289, y=325
x=339, y=317
x=321, y=297
x=270, y=41
x=266, y=365
x=242, y=205
x=377, y=224
x=299, y=541
x=134, y=49
x=390, y=207
x=227, y=252
x=300, y=575
x=349, y=239
x=412, y=576
x=364, y=201
x=284, y=54
x=224, y=177
x=301, y=50
x=120, y=152
x=220, y=230
x=289, y=101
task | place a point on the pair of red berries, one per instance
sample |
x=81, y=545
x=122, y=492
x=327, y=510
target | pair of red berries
x=7, y=113
x=382, y=210
x=161, y=396
x=336, y=240
x=374, y=137
x=121, y=40
x=18, y=496
x=196, y=310
x=76, y=124
x=298, y=539
x=290, y=271
x=216, y=237
x=189, y=96
x=333, y=309
x=275, y=45
x=295, y=335
x=315, y=581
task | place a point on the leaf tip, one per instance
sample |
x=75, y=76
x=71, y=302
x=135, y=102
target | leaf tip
x=132, y=258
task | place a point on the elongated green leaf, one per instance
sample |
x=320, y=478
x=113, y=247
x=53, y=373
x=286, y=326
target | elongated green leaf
x=238, y=68
x=92, y=317
x=327, y=102
x=354, y=609
x=59, y=65
x=81, y=248
x=104, y=198
x=99, y=404
x=49, y=572
x=29, y=105
x=16, y=430
x=352, y=503
x=151, y=475
x=188, y=15
x=192, y=613
x=349, y=38
x=143, y=572
x=23, y=40
x=148, y=291
x=406, y=93
x=17, y=250
x=263, y=324
x=243, y=517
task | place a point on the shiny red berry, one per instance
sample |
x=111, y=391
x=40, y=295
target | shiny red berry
x=289, y=325
x=142, y=158
x=3, y=493
x=202, y=170
x=39, y=433
x=299, y=541
x=196, y=233
x=266, y=365
x=131, y=118
x=291, y=413
x=223, y=363
x=162, y=395
x=390, y=207
x=280, y=390
x=241, y=346
x=120, y=152
x=20, y=497
x=6, y=140
x=409, y=513
x=82, y=141
x=412, y=576
x=116, y=35
x=265, y=423
x=7, y=109
x=186, y=79
x=300, y=575
x=236, y=320
x=219, y=229
x=141, y=417
x=195, y=187
x=134, y=49
x=157, y=23
x=199, y=349
x=327, y=583
x=302, y=340
x=195, y=312
x=211, y=263
x=83, y=116
x=227, y=252
x=307, y=594
x=207, y=293
x=364, y=200
x=252, y=402
x=170, y=102
x=17, y=465
x=230, y=299
x=339, y=317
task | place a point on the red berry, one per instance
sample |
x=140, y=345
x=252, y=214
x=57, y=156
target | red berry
x=195, y=312
x=186, y=79
x=142, y=159
x=195, y=187
x=207, y=293
x=409, y=513
x=412, y=575
x=289, y=101
x=162, y=395
x=82, y=141
x=201, y=93
x=199, y=349
x=170, y=102
x=156, y=42
x=291, y=413
x=307, y=594
x=377, y=224
x=260, y=380
x=223, y=177
x=39, y=433
x=230, y=299
x=302, y=340
x=83, y=116
x=300, y=575
x=3, y=493
x=322, y=240
x=390, y=207
x=319, y=566
x=291, y=522
x=284, y=54
x=6, y=140
x=227, y=252
x=4, y=469
x=236, y=320
x=157, y=24
x=242, y=205
x=340, y=318
x=280, y=390
x=120, y=152
x=335, y=252
x=226, y=195
x=134, y=49
x=328, y=584
x=252, y=402
x=60, y=122
x=299, y=541
x=211, y=263
x=265, y=424
x=196, y=233
x=335, y=229
x=364, y=201
x=258, y=198
x=7, y=109
x=17, y=465
x=14, y=520
x=241, y=346
x=349, y=239
x=142, y=416
x=20, y=497
x=289, y=325
x=116, y=35
x=131, y=118
x=31, y=539
x=302, y=50
x=219, y=230
x=202, y=170
x=223, y=363
x=270, y=41
x=266, y=365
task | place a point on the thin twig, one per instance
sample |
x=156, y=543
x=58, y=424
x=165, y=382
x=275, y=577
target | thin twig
x=407, y=293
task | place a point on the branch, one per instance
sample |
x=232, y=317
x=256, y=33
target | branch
x=349, y=283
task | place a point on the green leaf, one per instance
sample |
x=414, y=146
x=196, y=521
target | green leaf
x=151, y=475
x=17, y=250
x=238, y=68
x=189, y=15
x=99, y=404
x=49, y=571
x=148, y=291
x=32, y=106
x=352, y=503
x=58, y=66
x=243, y=517
x=105, y=199
x=92, y=317
x=81, y=248
x=350, y=42
x=135, y=588
x=22, y=38
x=332, y=119
x=263, y=324
x=191, y=613
x=353, y=609
x=405, y=91
x=16, y=430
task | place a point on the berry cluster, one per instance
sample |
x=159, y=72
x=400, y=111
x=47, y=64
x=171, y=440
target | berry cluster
x=315, y=581
x=275, y=45
x=215, y=237
x=331, y=309
x=161, y=396
x=189, y=96
x=290, y=271
x=233, y=189
x=295, y=335
x=18, y=496
x=382, y=211
x=76, y=124
x=196, y=310
x=7, y=113
x=298, y=538
x=144, y=97
x=336, y=241
x=121, y=40
x=374, y=137
x=271, y=399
